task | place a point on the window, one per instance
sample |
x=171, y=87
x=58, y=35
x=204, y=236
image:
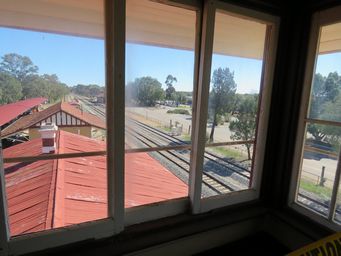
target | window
x=231, y=108
x=233, y=104
x=159, y=97
x=166, y=69
x=316, y=186
x=53, y=126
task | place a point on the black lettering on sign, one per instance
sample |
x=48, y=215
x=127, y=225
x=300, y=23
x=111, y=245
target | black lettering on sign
x=330, y=249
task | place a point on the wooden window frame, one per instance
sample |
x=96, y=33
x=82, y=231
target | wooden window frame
x=200, y=205
x=119, y=217
x=319, y=19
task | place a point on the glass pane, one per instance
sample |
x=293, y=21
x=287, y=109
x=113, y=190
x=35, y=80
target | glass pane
x=52, y=101
x=226, y=169
x=159, y=73
x=325, y=98
x=318, y=167
x=234, y=95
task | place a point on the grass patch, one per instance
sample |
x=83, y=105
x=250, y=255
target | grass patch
x=316, y=189
x=186, y=137
x=178, y=111
x=165, y=128
x=228, y=152
x=184, y=106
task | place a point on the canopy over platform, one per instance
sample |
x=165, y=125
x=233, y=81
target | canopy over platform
x=330, y=40
x=148, y=22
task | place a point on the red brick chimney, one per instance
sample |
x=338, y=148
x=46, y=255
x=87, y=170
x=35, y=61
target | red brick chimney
x=48, y=133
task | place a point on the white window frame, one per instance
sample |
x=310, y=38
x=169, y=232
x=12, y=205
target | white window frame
x=115, y=85
x=319, y=19
x=115, y=75
x=211, y=6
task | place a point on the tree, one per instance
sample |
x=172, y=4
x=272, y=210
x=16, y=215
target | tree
x=145, y=91
x=91, y=90
x=18, y=66
x=47, y=86
x=325, y=91
x=10, y=89
x=181, y=97
x=221, y=96
x=329, y=133
x=244, y=126
x=170, y=91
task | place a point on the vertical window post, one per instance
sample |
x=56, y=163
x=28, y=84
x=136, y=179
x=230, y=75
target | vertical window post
x=199, y=132
x=115, y=87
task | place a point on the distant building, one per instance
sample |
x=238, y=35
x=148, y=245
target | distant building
x=100, y=99
x=65, y=116
x=55, y=193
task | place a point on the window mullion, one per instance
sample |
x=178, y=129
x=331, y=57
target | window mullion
x=335, y=189
x=199, y=131
x=4, y=228
x=115, y=13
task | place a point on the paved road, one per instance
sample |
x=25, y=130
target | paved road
x=312, y=169
x=222, y=132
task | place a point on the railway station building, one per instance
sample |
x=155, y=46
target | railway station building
x=82, y=196
x=18, y=109
x=65, y=116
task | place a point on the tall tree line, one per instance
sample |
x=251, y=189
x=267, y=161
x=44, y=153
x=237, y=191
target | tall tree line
x=19, y=79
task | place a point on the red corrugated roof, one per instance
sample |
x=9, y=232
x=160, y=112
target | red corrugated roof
x=11, y=111
x=31, y=120
x=68, y=191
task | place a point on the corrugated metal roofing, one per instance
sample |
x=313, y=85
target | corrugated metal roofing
x=31, y=120
x=58, y=193
x=28, y=187
x=13, y=110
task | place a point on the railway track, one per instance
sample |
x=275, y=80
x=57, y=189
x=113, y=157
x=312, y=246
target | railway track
x=229, y=164
x=320, y=206
x=182, y=162
x=218, y=174
x=98, y=111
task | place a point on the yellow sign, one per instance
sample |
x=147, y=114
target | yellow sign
x=329, y=246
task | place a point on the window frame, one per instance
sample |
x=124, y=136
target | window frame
x=114, y=23
x=206, y=204
x=119, y=217
x=319, y=19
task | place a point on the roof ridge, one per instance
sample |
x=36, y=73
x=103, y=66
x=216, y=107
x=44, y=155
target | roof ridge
x=51, y=202
x=83, y=115
x=52, y=195
x=58, y=209
x=45, y=110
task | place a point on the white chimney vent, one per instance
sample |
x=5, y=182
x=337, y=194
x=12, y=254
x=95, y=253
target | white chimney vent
x=48, y=133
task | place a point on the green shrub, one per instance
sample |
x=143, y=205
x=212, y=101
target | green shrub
x=178, y=111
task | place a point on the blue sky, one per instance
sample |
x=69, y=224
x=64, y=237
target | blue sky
x=81, y=60
x=327, y=63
